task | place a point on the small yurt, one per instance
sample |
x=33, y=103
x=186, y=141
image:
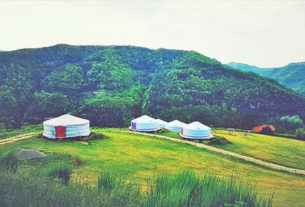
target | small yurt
x=144, y=124
x=175, y=126
x=161, y=123
x=196, y=130
x=66, y=126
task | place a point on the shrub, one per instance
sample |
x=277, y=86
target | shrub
x=9, y=161
x=300, y=132
x=60, y=171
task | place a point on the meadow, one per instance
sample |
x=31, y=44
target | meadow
x=275, y=149
x=141, y=159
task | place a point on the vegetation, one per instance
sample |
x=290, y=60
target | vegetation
x=184, y=189
x=275, y=149
x=300, y=132
x=9, y=161
x=291, y=76
x=112, y=85
x=59, y=171
x=139, y=159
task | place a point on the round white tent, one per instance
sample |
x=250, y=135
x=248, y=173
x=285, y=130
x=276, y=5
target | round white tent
x=175, y=126
x=196, y=130
x=144, y=124
x=66, y=126
x=161, y=123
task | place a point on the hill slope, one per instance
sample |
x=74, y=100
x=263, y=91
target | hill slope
x=112, y=84
x=291, y=76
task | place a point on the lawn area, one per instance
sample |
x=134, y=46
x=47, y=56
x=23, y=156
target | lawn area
x=139, y=157
x=283, y=151
x=10, y=133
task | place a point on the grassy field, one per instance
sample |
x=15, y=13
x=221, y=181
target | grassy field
x=283, y=151
x=139, y=158
x=9, y=133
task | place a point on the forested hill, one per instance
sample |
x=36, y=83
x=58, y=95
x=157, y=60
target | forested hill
x=110, y=85
x=291, y=76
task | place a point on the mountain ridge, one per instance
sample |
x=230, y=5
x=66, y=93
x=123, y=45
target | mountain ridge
x=291, y=75
x=110, y=85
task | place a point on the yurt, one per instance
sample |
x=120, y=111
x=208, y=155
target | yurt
x=196, y=130
x=175, y=126
x=66, y=126
x=144, y=124
x=161, y=123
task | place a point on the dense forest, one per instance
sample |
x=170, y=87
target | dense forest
x=110, y=85
x=291, y=76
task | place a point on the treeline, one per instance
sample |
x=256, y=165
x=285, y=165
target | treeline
x=112, y=85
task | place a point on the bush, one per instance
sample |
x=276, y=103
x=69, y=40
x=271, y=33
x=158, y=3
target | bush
x=9, y=161
x=60, y=171
x=300, y=132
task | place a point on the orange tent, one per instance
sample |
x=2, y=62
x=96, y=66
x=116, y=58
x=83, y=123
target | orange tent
x=260, y=128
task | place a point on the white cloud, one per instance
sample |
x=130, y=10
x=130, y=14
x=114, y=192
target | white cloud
x=254, y=32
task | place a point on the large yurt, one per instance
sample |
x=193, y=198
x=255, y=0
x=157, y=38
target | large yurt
x=175, y=126
x=144, y=124
x=66, y=126
x=161, y=123
x=196, y=130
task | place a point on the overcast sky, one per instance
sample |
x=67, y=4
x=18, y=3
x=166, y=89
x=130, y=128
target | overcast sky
x=261, y=33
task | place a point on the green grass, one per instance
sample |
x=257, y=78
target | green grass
x=139, y=159
x=283, y=151
x=4, y=133
x=183, y=189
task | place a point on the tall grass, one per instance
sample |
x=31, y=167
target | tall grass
x=60, y=171
x=9, y=161
x=184, y=189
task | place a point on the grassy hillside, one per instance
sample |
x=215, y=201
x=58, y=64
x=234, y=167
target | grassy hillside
x=291, y=76
x=110, y=85
x=139, y=157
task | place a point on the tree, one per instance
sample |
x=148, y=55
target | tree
x=16, y=94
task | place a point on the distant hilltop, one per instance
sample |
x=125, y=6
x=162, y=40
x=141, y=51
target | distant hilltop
x=291, y=76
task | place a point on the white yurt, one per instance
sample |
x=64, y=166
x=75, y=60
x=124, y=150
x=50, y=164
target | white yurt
x=175, y=126
x=161, y=123
x=66, y=126
x=196, y=130
x=144, y=124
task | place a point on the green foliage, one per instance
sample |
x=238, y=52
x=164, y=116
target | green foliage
x=59, y=171
x=287, y=124
x=70, y=77
x=9, y=161
x=300, y=132
x=184, y=189
x=112, y=85
x=291, y=76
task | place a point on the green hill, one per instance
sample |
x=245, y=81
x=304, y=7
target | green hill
x=291, y=76
x=112, y=84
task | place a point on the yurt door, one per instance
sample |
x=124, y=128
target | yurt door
x=60, y=132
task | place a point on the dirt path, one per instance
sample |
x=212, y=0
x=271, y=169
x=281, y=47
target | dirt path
x=225, y=152
x=18, y=137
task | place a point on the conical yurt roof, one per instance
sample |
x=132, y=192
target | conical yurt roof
x=176, y=123
x=66, y=120
x=197, y=125
x=144, y=119
x=160, y=121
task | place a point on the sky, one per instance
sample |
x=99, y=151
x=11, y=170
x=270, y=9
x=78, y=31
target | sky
x=261, y=33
